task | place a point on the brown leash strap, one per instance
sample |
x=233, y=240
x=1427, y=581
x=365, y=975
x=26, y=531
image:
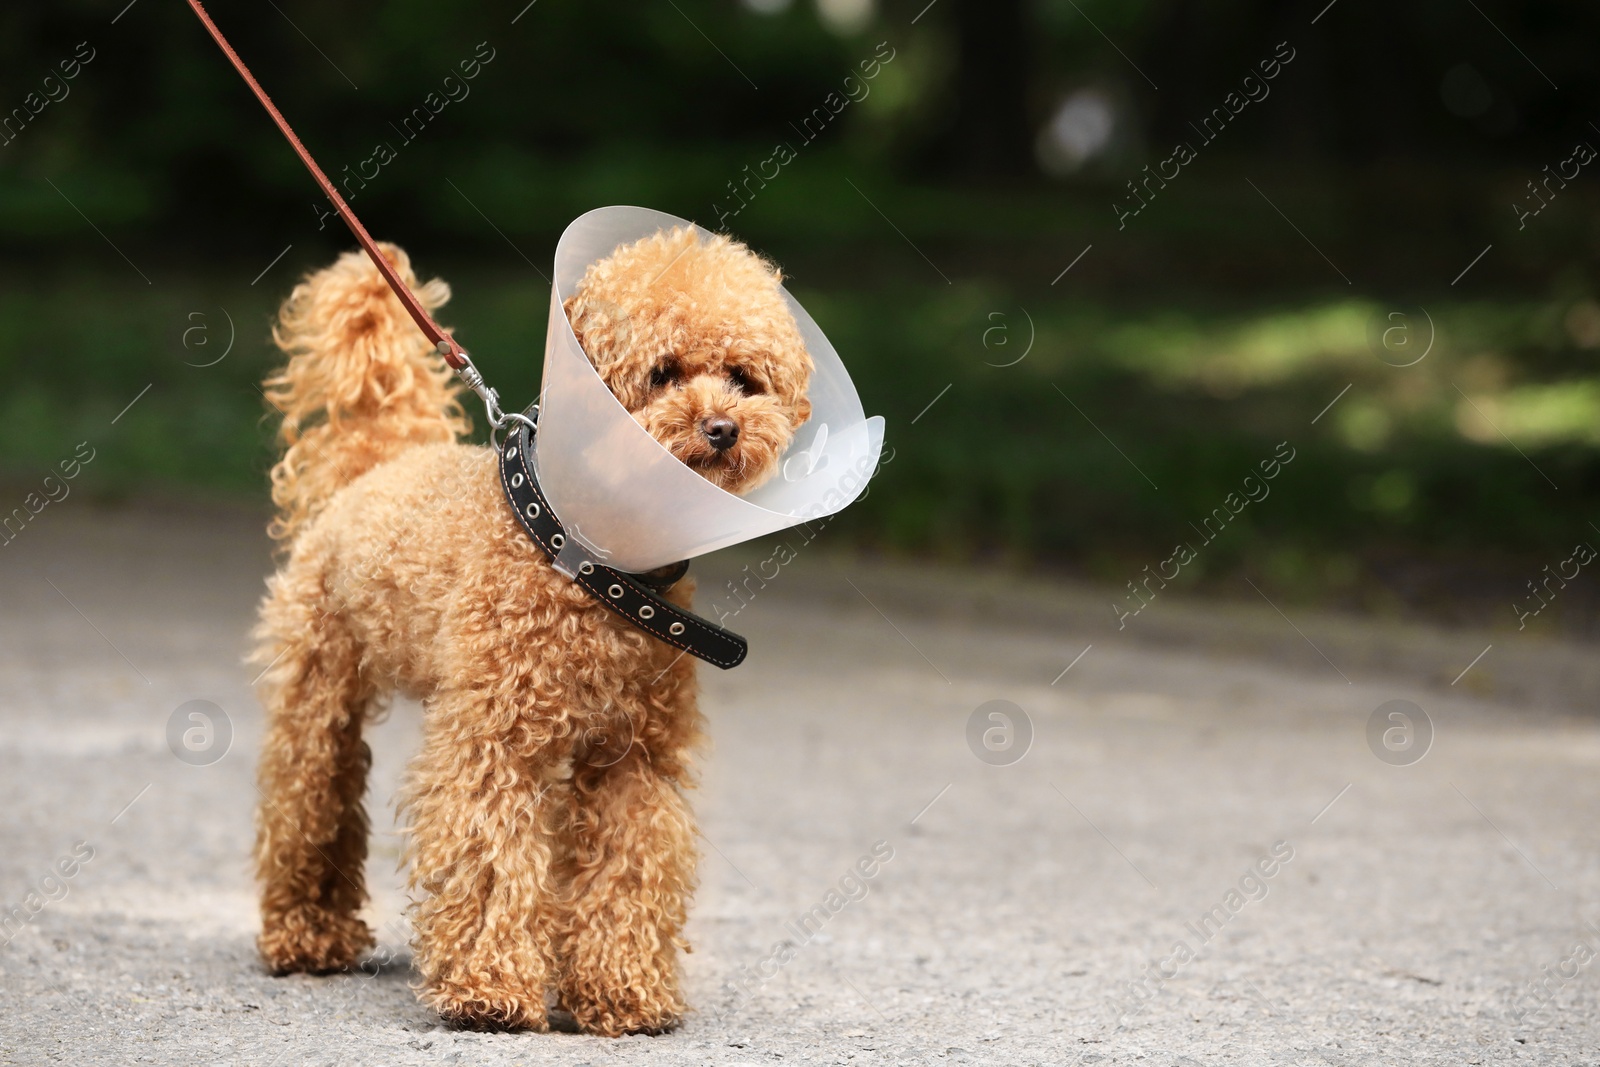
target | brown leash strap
x=453, y=353
x=629, y=595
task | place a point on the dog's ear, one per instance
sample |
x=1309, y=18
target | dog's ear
x=600, y=326
x=802, y=412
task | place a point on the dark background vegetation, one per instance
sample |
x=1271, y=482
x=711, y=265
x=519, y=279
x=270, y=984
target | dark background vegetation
x=921, y=231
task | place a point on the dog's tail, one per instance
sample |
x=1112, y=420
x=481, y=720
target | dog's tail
x=362, y=383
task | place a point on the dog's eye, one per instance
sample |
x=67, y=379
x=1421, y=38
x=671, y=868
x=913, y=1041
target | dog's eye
x=743, y=382
x=664, y=375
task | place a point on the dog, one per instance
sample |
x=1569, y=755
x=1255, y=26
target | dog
x=550, y=850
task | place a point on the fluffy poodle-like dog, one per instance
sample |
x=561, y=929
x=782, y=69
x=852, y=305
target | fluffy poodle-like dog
x=551, y=852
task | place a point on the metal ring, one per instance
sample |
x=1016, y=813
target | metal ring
x=675, y=629
x=516, y=481
x=646, y=611
x=532, y=510
x=556, y=541
x=586, y=567
x=615, y=591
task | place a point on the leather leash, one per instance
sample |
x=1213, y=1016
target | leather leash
x=631, y=596
x=453, y=353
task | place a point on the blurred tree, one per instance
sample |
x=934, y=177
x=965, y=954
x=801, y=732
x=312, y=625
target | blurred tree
x=990, y=132
x=666, y=102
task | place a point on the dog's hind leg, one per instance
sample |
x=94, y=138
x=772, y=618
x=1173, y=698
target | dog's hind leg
x=632, y=869
x=483, y=801
x=311, y=828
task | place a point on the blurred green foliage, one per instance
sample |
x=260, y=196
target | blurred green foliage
x=139, y=214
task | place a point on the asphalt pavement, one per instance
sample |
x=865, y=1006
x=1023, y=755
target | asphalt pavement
x=1205, y=838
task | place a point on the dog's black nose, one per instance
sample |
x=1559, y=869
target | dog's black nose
x=721, y=432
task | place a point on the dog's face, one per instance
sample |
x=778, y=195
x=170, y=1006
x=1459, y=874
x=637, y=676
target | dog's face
x=695, y=339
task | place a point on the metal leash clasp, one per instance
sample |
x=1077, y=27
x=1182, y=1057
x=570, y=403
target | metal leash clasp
x=473, y=379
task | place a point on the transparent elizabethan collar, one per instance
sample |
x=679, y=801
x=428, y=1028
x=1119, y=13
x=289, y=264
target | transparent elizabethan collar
x=624, y=499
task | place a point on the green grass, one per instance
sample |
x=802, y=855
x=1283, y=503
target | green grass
x=1174, y=406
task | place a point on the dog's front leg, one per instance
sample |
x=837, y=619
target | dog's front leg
x=633, y=867
x=483, y=806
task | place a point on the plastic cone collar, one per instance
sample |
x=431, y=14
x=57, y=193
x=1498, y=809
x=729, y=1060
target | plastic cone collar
x=629, y=503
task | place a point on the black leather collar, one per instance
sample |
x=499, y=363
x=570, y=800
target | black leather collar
x=632, y=596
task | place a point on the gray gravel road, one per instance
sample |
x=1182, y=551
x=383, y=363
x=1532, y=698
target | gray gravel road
x=1200, y=859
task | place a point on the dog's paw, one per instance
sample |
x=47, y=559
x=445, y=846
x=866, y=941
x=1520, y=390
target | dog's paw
x=486, y=1007
x=629, y=1014
x=313, y=941
x=607, y=1023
